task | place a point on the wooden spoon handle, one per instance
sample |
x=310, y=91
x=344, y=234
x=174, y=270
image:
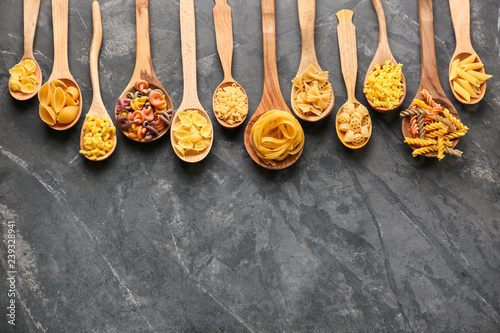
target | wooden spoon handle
x=429, y=75
x=460, y=15
x=94, y=51
x=31, y=9
x=143, y=62
x=188, y=38
x=60, y=26
x=347, y=46
x=382, y=25
x=224, y=36
x=307, y=19
x=271, y=81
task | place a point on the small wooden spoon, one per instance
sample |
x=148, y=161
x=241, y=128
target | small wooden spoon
x=97, y=109
x=346, y=32
x=307, y=19
x=272, y=99
x=60, y=70
x=224, y=36
x=190, y=100
x=144, y=64
x=460, y=15
x=31, y=9
x=382, y=55
x=429, y=78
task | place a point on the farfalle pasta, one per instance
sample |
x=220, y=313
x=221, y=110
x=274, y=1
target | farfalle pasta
x=384, y=86
x=59, y=104
x=313, y=92
x=23, y=78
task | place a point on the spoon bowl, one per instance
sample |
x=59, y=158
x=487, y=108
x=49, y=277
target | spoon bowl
x=382, y=55
x=30, y=13
x=307, y=19
x=341, y=134
x=473, y=100
x=223, y=85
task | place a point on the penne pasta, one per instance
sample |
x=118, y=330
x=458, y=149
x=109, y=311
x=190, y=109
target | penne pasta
x=461, y=91
x=466, y=85
x=472, y=67
x=469, y=60
x=453, y=69
x=465, y=75
x=480, y=76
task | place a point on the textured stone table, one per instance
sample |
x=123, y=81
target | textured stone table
x=342, y=241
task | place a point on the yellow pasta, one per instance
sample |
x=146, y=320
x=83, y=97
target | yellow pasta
x=313, y=92
x=466, y=78
x=58, y=103
x=276, y=135
x=192, y=133
x=355, y=123
x=469, y=60
x=98, y=137
x=231, y=104
x=459, y=89
x=453, y=69
x=23, y=77
x=384, y=86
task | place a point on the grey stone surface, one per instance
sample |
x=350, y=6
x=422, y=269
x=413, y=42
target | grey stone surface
x=343, y=241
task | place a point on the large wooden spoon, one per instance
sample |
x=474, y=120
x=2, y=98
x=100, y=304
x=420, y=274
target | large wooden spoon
x=31, y=9
x=382, y=55
x=272, y=99
x=190, y=100
x=144, y=64
x=97, y=108
x=460, y=15
x=307, y=19
x=60, y=71
x=346, y=32
x=429, y=78
x=224, y=36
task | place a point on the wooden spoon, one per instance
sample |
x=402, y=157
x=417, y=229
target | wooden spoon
x=144, y=64
x=60, y=70
x=272, y=99
x=307, y=19
x=346, y=32
x=382, y=55
x=429, y=78
x=190, y=100
x=97, y=109
x=224, y=36
x=460, y=15
x=31, y=9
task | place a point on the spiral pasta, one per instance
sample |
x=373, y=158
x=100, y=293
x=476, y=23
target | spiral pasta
x=384, y=86
x=276, y=135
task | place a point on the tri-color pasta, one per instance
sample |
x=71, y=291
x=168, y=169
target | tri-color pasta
x=192, y=132
x=436, y=130
x=276, y=135
x=313, y=92
x=23, y=78
x=384, y=86
x=466, y=78
x=59, y=104
x=231, y=104
x=98, y=137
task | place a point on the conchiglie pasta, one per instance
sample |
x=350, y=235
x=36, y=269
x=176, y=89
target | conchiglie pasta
x=23, y=77
x=58, y=103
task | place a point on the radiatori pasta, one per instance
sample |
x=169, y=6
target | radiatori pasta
x=276, y=135
x=384, y=86
x=23, y=77
x=98, y=137
x=355, y=123
x=313, y=93
x=231, y=104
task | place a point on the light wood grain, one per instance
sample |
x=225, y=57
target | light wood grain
x=60, y=70
x=224, y=36
x=144, y=69
x=382, y=55
x=429, y=78
x=97, y=108
x=190, y=100
x=307, y=20
x=346, y=32
x=30, y=9
x=460, y=15
x=272, y=99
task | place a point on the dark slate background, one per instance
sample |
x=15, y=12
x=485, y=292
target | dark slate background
x=343, y=241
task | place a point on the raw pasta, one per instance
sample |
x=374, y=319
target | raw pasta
x=231, y=104
x=276, y=135
x=355, y=123
x=466, y=78
x=384, y=86
x=98, y=138
x=192, y=132
x=313, y=92
x=23, y=78
x=59, y=104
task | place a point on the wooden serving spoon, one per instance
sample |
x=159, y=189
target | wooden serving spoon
x=144, y=64
x=307, y=19
x=97, y=108
x=272, y=99
x=224, y=36
x=60, y=70
x=30, y=9
x=429, y=78
x=382, y=55
x=190, y=100
x=346, y=32
x=460, y=15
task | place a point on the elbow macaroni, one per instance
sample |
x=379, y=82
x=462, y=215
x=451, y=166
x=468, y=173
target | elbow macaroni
x=98, y=137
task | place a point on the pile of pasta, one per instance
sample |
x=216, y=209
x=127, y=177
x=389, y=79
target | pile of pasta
x=313, y=93
x=384, y=86
x=22, y=77
x=59, y=104
x=98, y=137
x=466, y=78
x=432, y=127
x=231, y=104
x=276, y=135
x=143, y=115
x=355, y=122
x=192, y=132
